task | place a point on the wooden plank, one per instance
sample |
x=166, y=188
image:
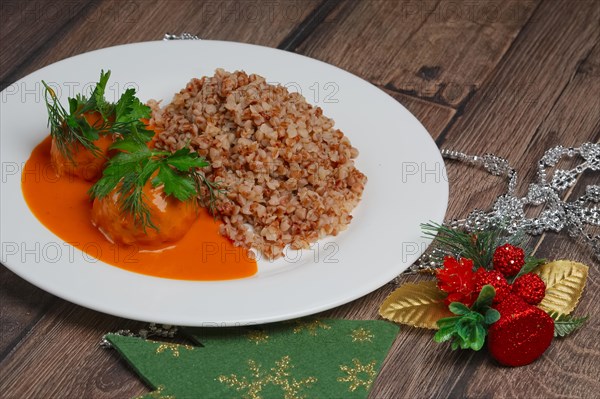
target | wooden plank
x=435, y=118
x=25, y=26
x=112, y=23
x=508, y=116
x=62, y=359
x=538, y=86
x=546, y=97
x=21, y=306
x=441, y=50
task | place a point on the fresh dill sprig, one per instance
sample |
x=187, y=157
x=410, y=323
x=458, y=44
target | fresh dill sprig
x=68, y=128
x=128, y=172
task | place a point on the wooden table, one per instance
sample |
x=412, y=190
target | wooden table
x=509, y=77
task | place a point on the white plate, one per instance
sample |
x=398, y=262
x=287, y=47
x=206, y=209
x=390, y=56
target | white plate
x=406, y=187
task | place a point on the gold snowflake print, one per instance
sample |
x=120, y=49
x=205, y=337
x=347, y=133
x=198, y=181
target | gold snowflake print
x=358, y=376
x=258, y=336
x=361, y=335
x=310, y=326
x=277, y=376
x=174, y=348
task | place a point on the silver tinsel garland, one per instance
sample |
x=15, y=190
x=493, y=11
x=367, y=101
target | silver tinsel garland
x=508, y=210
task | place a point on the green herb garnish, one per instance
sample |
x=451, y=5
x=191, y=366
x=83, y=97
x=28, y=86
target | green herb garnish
x=135, y=164
x=71, y=127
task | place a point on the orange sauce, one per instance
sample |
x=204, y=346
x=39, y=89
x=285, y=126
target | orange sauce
x=63, y=206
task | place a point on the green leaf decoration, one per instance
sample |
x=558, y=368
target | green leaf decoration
x=491, y=316
x=469, y=328
x=417, y=305
x=314, y=358
x=459, y=308
x=565, y=281
x=465, y=332
x=485, y=299
x=565, y=325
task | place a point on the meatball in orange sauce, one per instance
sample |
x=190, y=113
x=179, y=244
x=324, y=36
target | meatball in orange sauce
x=83, y=163
x=171, y=217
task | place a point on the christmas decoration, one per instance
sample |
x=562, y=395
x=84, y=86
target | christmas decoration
x=565, y=281
x=521, y=335
x=509, y=212
x=509, y=259
x=565, y=325
x=417, y=305
x=291, y=360
x=495, y=279
x=529, y=287
x=457, y=279
x=517, y=302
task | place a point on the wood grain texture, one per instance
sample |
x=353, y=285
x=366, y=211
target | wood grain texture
x=25, y=26
x=441, y=50
x=512, y=86
x=21, y=306
x=537, y=90
x=534, y=90
x=112, y=22
x=434, y=117
x=61, y=358
x=522, y=130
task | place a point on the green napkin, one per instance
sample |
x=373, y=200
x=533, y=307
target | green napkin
x=317, y=358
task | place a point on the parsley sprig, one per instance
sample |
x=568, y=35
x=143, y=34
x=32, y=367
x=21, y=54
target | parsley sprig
x=468, y=329
x=134, y=164
x=129, y=171
x=71, y=127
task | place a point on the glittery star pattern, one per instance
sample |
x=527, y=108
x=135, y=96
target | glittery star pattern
x=310, y=326
x=362, y=335
x=277, y=376
x=358, y=376
x=257, y=336
x=174, y=348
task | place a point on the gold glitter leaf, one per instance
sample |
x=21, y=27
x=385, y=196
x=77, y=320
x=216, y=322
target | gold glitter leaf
x=418, y=305
x=565, y=281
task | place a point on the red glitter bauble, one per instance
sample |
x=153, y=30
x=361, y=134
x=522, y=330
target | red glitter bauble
x=493, y=278
x=530, y=287
x=508, y=259
x=522, y=334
